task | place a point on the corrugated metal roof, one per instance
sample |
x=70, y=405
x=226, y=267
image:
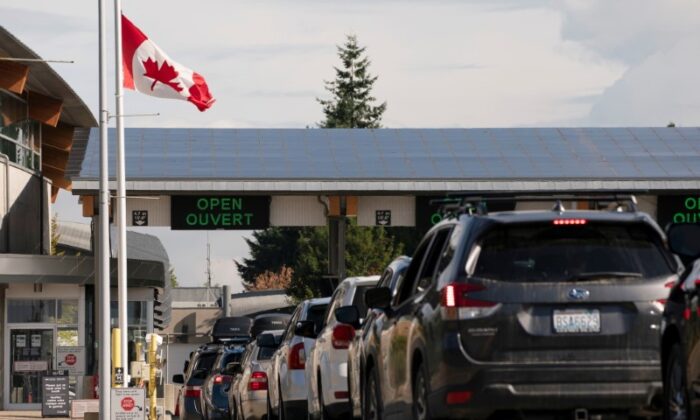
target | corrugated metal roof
x=402, y=159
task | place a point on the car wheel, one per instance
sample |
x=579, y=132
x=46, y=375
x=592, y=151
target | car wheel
x=372, y=400
x=420, y=394
x=270, y=414
x=676, y=405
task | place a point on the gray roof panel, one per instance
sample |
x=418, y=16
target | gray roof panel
x=500, y=154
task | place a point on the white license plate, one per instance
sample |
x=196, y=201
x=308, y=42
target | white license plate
x=576, y=321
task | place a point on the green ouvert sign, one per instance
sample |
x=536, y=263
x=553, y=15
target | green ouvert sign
x=212, y=212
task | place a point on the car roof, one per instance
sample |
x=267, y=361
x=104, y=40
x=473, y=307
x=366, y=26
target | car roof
x=361, y=280
x=400, y=262
x=318, y=301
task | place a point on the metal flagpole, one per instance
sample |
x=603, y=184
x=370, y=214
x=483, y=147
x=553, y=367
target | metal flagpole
x=121, y=191
x=103, y=269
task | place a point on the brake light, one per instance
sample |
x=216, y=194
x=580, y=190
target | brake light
x=455, y=295
x=258, y=381
x=569, y=222
x=458, y=304
x=192, y=391
x=341, y=394
x=222, y=379
x=297, y=357
x=342, y=336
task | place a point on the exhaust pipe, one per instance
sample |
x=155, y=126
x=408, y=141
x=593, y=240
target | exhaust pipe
x=580, y=414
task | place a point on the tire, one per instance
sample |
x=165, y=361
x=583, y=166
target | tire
x=270, y=414
x=420, y=394
x=372, y=398
x=676, y=402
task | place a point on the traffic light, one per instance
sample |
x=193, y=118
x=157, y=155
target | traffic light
x=161, y=308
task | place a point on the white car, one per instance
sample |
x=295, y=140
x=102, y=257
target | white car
x=327, y=363
x=288, y=392
x=247, y=394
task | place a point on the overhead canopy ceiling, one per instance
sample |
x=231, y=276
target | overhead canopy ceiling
x=172, y=161
x=51, y=101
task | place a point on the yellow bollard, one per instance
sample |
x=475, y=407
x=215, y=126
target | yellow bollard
x=116, y=359
x=152, y=348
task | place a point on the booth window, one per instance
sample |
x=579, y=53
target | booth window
x=20, y=137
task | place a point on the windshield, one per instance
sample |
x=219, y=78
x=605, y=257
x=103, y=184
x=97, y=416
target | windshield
x=265, y=353
x=545, y=252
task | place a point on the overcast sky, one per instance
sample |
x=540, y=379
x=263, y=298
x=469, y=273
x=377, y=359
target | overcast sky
x=441, y=63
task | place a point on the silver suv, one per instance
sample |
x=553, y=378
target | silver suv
x=287, y=389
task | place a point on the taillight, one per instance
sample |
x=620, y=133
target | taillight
x=667, y=285
x=192, y=392
x=458, y=397
x=258, y=381
x=342, y=336
x=222, y=379
x=569, y=222
x=297, y=357
x=458, y=304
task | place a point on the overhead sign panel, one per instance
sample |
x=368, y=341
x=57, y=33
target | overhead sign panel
x=678, y=209
x=212, y=212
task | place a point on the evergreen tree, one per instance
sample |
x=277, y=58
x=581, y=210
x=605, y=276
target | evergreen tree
x=305, y=251
x=352, y=104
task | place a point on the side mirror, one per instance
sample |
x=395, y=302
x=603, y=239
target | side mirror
x=684, y=240
x=178, y=379
x=348, y=315
x=305, y=329
x=233, y=368
x=266, y=340
x=378, y=298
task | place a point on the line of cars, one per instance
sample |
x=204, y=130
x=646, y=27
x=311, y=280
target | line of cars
x=576, y=314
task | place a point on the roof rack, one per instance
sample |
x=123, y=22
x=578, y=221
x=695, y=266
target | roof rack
x=457, y=204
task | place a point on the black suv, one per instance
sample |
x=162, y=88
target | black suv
x=518, y=312
x=680, y=346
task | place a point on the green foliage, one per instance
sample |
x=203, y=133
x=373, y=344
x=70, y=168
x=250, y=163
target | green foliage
x=352, y=104
x=270, y=249
x=55, y=237
x=368, y=250
x=173, y=278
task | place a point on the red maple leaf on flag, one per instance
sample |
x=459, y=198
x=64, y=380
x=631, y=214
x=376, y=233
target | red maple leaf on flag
x=165, y=74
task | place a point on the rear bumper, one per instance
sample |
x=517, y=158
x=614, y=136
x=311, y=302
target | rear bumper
x=565, y=396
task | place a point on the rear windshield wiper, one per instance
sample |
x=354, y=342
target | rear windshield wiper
x=603, y=275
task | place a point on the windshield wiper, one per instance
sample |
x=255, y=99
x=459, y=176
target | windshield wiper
x=603, y=275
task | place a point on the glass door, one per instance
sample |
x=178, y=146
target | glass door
x=31, y=356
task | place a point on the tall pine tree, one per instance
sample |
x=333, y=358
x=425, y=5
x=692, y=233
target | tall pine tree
x=352, y=104
x=369, y=249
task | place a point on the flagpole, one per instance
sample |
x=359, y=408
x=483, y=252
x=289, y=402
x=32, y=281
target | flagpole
x=121, y=192
x=103, y=271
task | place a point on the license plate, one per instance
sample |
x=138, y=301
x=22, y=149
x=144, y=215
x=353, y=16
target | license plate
x=576, y=321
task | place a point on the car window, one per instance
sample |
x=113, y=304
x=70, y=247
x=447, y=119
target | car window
x=428, y=270
x=406, y=287
x=386, y=278
x=289, y=332
x=358, y=300
x=315, y=313
x=545, y=252
x=335, y=303
x=204, y=365
x=230, y=357
x=265, y=353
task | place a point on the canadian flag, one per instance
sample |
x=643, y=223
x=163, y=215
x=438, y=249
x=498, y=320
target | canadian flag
x=149, y=70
